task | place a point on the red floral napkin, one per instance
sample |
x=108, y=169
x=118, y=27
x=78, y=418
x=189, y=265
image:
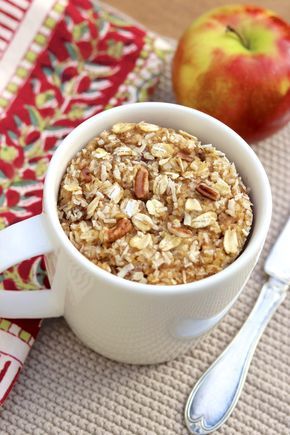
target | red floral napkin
x=60, y=63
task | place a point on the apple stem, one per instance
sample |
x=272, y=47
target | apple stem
x=242, y=39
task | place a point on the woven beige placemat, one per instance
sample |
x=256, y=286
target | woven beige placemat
x=65, y=388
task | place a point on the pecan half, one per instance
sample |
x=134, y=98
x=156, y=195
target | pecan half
x=141, y=185
x=207, y=191
x=122, y=227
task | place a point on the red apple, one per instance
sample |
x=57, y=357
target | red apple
x=234, y=64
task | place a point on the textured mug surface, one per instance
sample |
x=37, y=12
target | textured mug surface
x=125, y=320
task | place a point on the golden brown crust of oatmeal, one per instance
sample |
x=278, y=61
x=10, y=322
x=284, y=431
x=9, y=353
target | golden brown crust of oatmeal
x=153, y=205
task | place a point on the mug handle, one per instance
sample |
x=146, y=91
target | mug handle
x=19, y=242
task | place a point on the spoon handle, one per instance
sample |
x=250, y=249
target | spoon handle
x=216, y=393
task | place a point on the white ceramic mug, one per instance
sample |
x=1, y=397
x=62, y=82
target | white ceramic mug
x=124, y=320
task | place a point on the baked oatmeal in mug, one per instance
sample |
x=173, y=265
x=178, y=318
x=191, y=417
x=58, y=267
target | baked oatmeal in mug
x=154, y=205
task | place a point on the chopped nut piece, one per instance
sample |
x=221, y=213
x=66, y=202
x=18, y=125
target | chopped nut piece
x=122, y=227
x=190, y=136
x=185, y=156
x=163, y=162
x=231, y=244
x=122, y=127
x=124, y=151
x=125, y=270
x=172, y=188
x=148, y=128
x=201, y=154
x=140, y=242
x=147, y=156
x=104, y=172
x=156, y=208
x=193, y=253
x=114, y=192
x=86, y=175
x=92, y=207
x=130, y=207
x=246, y=203
x=142, y=222
x=160, y=184
x=172, y=175
x=204, y=220
x=222, y=187
x=161, y=150
x=141, y=185
x=71, y=185
x=180, y=231
x=180, y=163
x=117, y=173
x=187, y=219
x=231, y=210
x=100, y=153
x=192, y=204
x=169, y=242
x=207, y=191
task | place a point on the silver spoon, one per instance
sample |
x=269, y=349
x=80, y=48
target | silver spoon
x=215, y=395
